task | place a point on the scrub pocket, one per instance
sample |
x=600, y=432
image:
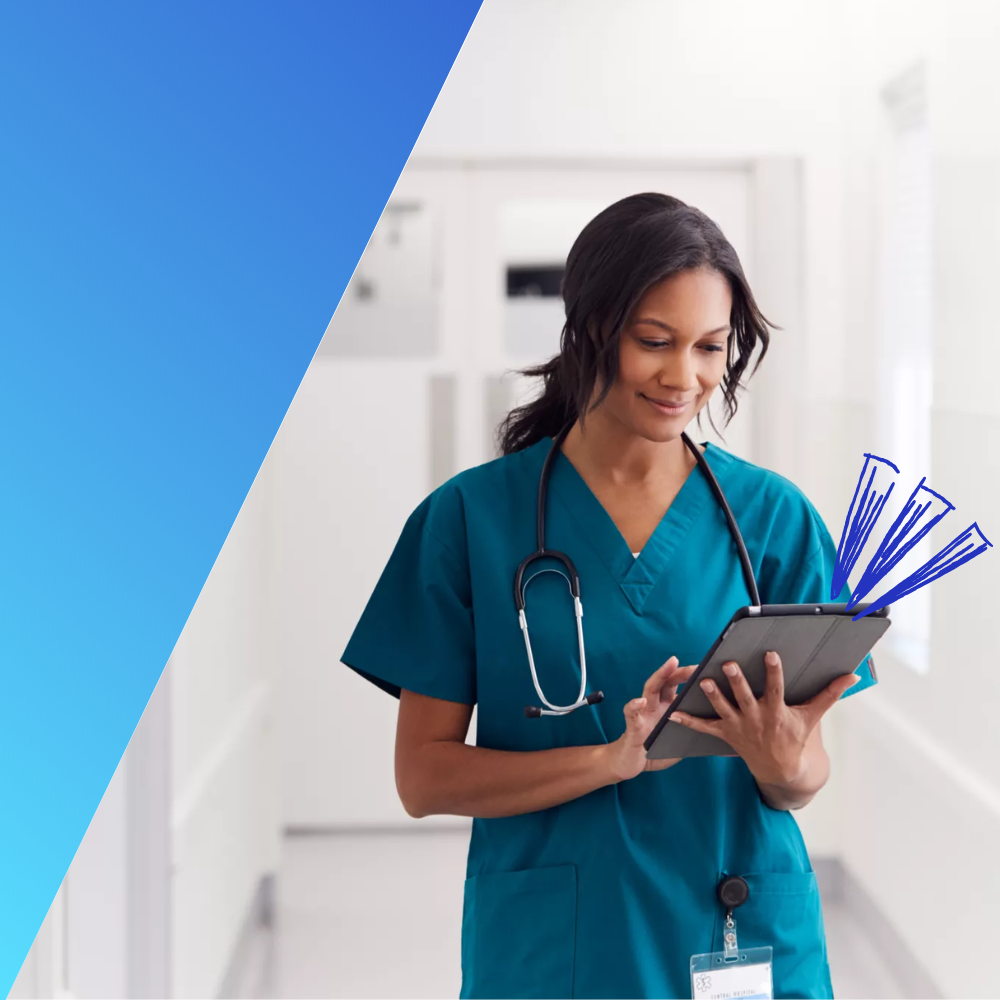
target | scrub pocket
x=784, y=911
x=519, y=933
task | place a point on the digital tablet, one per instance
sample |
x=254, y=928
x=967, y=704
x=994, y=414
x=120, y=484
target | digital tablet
x=816, y=642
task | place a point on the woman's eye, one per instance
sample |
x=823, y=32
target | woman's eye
x=656, y=344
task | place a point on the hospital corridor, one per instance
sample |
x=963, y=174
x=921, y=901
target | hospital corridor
x=253, y=842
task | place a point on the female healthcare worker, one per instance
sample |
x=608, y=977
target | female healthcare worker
x=592, y=872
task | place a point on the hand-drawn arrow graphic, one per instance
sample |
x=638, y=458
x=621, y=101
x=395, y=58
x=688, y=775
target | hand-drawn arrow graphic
x=906, y=531
x=950, y=557
x=858, y=527
x=909, y=528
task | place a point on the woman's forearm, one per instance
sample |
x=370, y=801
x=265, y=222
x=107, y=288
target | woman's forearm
x=455, y=779
x=438, y=773
x=799, y=791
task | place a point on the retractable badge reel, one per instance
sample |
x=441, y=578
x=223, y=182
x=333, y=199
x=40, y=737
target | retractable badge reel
x=734, y=971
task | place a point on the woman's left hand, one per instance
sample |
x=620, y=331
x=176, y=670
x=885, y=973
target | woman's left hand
x=769, y=735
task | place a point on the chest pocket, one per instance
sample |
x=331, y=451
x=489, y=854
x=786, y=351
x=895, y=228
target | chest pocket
x=519, y=933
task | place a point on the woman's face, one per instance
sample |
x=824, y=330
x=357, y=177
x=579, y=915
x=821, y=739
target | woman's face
x=672, y=354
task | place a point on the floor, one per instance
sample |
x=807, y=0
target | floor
x=379, y=915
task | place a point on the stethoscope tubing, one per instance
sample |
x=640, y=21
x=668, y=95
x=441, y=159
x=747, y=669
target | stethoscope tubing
x=581, y=699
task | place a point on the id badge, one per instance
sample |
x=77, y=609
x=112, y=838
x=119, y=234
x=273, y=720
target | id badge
x=743, y=973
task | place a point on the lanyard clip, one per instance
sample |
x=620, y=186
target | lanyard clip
x=730, y=946
x=732, y=891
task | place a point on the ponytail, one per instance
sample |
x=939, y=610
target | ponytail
x=544, y=416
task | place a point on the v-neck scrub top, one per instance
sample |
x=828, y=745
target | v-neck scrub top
x=608, y=895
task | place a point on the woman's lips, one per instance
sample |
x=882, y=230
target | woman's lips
x=667, y=409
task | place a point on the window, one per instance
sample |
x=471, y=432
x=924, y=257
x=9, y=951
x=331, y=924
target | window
x=905, y=345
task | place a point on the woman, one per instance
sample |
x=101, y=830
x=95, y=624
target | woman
x=592, y=872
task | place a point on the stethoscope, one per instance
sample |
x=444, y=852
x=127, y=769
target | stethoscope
x=573, y=579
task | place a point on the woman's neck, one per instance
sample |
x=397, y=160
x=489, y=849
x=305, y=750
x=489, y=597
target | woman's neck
x=607, y=450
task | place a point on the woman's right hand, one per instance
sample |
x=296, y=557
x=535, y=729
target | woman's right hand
x=628, y=752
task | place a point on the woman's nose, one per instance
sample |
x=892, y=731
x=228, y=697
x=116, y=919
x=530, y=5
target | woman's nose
x=679, y=374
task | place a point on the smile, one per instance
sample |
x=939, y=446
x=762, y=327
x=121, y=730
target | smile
x=668, y=409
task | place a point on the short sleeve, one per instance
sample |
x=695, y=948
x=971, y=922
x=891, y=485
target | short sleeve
x=416, y=631
x=812, y=580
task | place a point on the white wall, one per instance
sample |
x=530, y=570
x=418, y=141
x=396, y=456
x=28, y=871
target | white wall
x=224, y=811
x=922, y=788
x=353, y=453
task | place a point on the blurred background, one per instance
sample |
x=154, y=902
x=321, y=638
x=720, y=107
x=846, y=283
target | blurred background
x=251, y=842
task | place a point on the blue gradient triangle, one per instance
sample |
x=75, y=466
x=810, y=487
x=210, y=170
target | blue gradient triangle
x=185, y=190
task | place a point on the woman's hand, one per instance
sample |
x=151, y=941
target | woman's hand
x=780, y=743
x=628, y=753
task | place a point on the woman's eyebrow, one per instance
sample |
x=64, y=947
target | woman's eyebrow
x=670, y=329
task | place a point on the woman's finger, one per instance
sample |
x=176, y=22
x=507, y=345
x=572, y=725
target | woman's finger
x=741, y=689
x=817, y=706
x=633, y=709
x=662, y=763
x=633, y=714
x=774, y=692
x=652, y=687
x=680, y=676
x=719, y=701
x=710, y=726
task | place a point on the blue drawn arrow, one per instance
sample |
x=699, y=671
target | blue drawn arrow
x=858, y=527
x=899, y=539
x=949, y=558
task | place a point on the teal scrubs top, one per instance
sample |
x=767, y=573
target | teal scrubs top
x=608, y=895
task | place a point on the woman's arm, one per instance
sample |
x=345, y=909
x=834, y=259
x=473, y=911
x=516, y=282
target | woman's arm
x=437, y=773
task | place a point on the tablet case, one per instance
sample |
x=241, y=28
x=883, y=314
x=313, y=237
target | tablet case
x=816, y=642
